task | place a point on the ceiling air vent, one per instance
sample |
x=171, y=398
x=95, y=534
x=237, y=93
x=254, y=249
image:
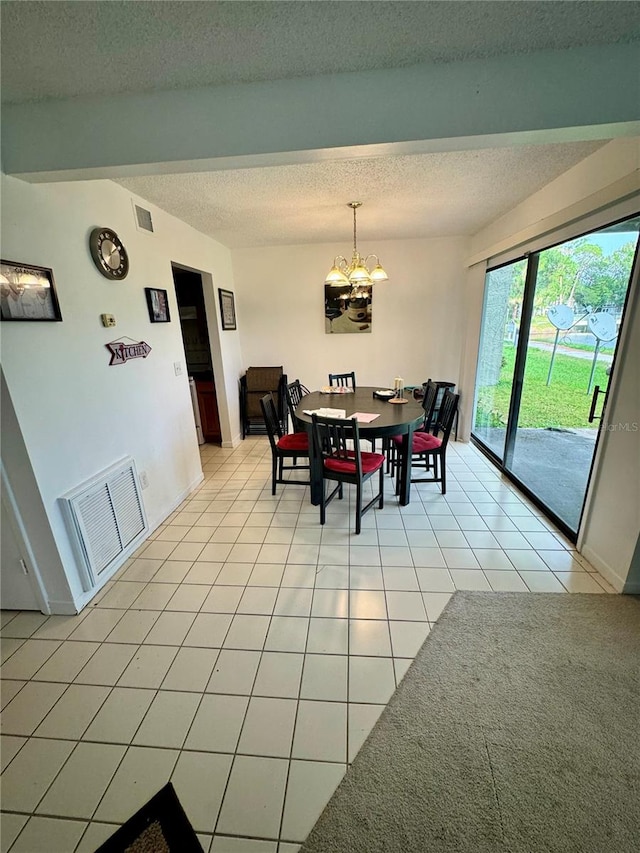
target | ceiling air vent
x=143, y=218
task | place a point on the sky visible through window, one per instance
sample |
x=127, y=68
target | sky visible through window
x=611, y=242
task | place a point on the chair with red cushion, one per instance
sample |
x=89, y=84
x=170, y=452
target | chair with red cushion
x=289, y=446
x=294, y=392
x=336, y=442
x=429, y=405
x=348, y=380
x=431, y=447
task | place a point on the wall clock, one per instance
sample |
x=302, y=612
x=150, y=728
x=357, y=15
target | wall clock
x=108, y=253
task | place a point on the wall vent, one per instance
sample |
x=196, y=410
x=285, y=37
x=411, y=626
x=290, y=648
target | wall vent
x=105, y=516
x=143, y=218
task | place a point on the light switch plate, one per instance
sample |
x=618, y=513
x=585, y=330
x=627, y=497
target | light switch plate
x=177, y=368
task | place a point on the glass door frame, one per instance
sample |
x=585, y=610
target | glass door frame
x=526, y=315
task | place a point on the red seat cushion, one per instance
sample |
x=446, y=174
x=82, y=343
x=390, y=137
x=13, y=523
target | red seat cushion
x=424, y=441
x=370, y=462
x=421, y=443
x=295, y=441
x=398, y=438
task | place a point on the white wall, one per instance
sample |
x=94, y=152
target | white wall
x=76, y=413
x=473, y=298
x=418, y=315
x=20, y=488
x=612, y=524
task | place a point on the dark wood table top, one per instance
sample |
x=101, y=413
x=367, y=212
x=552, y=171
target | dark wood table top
x=393, y=418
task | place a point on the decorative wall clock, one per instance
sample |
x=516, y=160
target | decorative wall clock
x=108, y=253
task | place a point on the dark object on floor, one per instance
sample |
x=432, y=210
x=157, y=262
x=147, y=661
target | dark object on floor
x=257, y=382
x=160, y=826
x=515, y=730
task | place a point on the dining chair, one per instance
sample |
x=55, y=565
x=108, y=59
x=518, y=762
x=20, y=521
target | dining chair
x=431, y=447
x=441, y=386
x=336, y=443
x=394, y=443
x=294, y=392
x=344, y=380
x=283, y=446
x=348, y=380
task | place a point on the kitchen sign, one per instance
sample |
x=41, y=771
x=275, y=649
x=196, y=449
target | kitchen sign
x=122, y=351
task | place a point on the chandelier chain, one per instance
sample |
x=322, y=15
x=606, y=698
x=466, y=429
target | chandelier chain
x=354, y=230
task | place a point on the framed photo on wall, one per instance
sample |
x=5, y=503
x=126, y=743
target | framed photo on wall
x=158, y=305
x=27, y=292
x=347, y=312
x=227, y=309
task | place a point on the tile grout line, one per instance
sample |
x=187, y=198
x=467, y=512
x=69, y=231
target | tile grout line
x=297, y=712
x=302, y=522
x=231, y=766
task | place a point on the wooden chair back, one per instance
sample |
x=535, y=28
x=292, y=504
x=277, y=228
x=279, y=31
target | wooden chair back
x=344, y=380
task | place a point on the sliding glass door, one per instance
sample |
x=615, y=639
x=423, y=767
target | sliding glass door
x=550, y=326
x=504, y=288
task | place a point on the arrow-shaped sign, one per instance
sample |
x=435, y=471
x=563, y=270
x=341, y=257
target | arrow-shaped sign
x=121, y=352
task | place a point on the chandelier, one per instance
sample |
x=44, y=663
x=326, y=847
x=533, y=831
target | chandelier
x=355, y=273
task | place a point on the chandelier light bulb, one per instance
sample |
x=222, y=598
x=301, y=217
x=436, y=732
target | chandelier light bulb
x=357, y=272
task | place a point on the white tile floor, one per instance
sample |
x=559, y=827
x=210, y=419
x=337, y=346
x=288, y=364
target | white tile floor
x=245, y=652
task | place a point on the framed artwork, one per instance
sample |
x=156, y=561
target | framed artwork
x=27, y=292
x=158, y=305
x=227, y=309
x=347, y=310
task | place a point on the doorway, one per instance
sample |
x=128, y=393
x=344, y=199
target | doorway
x=197, y=350
x=550, y=327
x=16, y=580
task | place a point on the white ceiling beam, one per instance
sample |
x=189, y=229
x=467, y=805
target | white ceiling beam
x=554, y=96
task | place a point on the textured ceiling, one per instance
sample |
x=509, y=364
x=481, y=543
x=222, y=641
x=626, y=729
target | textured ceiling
x=422, y=195
x=141, y=46
x=146, y=46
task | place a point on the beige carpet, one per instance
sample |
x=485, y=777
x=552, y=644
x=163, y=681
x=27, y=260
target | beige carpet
x=517, y=728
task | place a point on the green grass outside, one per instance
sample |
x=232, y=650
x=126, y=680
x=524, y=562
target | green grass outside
x=564, y=403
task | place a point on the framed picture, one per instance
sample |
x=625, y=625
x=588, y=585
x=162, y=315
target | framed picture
x=27, y=292
x=347, y=311
x=227, y=309
x=158, y=305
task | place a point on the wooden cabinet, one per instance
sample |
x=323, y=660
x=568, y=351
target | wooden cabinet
x=208, y=405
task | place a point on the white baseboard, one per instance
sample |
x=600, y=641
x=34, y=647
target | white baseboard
x=64, y=608
x=605, y=569
x=89, y=595
x=235, y=441
x=82, y=600
x=176, y=503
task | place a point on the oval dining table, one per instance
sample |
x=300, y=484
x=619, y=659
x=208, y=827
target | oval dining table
x=393, y=419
